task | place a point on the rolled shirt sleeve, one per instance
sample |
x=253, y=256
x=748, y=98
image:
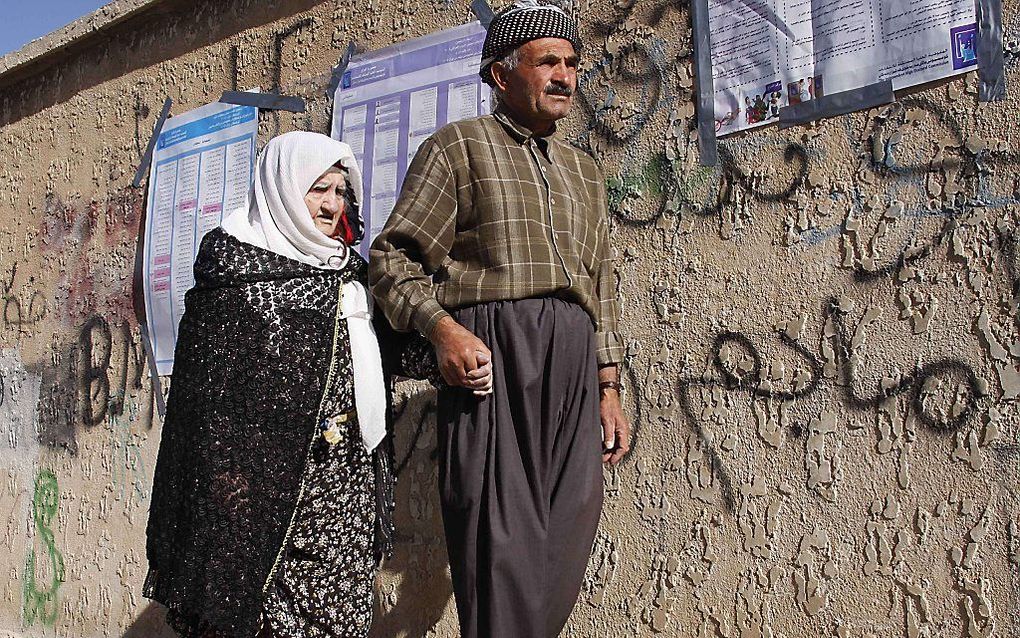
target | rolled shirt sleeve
x=608, y=342
x=415, y=241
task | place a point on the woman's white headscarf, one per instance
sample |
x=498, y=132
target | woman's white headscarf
x=278, y=220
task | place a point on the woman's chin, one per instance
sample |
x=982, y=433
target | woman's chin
x=325, y=229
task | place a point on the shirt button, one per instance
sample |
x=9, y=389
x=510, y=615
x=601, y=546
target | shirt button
x=553, y=200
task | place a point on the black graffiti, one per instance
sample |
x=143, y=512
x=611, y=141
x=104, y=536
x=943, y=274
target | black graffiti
x=15, y=313
x=731, y=175
x=911, y=384
x=89, y=382
x=748, y=382
x=96, y=346
x=1009, y=243
x=640, y=60
x=652, y=73
x=100, y=395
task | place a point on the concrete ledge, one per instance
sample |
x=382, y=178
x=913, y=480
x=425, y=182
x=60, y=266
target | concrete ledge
x=36, y=51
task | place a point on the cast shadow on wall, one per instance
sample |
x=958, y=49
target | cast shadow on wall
x=163, y=32
x=414, y=589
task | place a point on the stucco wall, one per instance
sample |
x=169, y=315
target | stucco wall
x=823, y=339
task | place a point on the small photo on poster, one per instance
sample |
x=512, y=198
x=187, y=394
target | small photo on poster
x=964, y=41
x=804, y=89
x=763, y=106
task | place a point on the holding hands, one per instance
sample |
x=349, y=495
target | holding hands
x=464, y=361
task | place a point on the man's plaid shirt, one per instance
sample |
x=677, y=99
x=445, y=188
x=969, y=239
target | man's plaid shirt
x=490, y=212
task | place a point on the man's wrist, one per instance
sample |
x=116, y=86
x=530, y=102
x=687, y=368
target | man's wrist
x=440, y=328
x=427, y=316
x=610, y=390
x=608, y=384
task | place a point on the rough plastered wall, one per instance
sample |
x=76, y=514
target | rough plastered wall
x=823, y=339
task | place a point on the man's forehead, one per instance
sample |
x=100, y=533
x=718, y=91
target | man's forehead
x=545, y=46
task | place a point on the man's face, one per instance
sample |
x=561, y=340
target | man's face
x=541, y=89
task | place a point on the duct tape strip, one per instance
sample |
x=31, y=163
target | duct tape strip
x=338, y=70
x=143, y=168
x=865, y=97
x=707, y=144
x=150, y=356
x=138, y=296
x=989, y=51
x=264, y=101
x=483, y=12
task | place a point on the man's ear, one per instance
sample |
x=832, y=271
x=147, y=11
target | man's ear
x=500, y=75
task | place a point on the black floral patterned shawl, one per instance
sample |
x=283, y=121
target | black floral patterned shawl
x=252, y=357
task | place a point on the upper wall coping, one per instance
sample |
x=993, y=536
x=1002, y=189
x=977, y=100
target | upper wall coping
x=76, y=32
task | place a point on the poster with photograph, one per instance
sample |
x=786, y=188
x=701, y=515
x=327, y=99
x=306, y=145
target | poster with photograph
x=768, y=54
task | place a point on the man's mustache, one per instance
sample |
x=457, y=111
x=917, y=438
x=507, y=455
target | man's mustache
x=559, y=89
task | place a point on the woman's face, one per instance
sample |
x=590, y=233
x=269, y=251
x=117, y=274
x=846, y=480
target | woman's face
x=325, y=200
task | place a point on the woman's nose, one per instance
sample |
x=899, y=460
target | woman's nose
x=330, y=203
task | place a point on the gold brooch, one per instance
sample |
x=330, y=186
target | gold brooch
x=331, y=428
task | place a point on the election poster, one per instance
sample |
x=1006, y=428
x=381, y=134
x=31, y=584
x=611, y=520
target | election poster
x=391, y=100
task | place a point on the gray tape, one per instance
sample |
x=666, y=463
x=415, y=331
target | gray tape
x=157, y=385
x=138, y=296
x=143, y=168
x=338, y=70
x=483, y=12
x=865, y=97
x=264, y=101
x=707, y=144
x=992, y=84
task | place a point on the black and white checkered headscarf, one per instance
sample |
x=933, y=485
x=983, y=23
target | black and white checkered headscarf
x=521, y=22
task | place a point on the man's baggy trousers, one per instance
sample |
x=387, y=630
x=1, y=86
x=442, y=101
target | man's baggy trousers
x=520, y=470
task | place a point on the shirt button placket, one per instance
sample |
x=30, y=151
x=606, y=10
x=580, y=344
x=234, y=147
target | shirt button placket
x=549, y=207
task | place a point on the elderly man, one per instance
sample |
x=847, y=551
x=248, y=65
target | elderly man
x=498, y=249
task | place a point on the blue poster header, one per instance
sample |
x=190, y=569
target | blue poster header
x=206, y=125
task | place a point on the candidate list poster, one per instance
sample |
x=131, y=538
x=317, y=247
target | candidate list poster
x=391, y=100
x=767, y=54
x=202, y=168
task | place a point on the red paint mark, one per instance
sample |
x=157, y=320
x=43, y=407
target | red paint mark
x=87, y=236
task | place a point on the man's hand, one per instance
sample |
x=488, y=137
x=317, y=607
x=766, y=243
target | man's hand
x=464, y=361
x=615, y=427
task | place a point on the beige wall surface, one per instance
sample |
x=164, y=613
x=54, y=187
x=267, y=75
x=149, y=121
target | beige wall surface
x=823, y=338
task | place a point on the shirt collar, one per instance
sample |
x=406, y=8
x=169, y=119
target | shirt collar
x=521, y=134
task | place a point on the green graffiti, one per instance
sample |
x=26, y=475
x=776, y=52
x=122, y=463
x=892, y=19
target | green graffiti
x=675, y=187
x=647, y=181
x=41, y=604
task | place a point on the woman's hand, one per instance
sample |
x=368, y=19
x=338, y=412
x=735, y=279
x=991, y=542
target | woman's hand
x=481, y=376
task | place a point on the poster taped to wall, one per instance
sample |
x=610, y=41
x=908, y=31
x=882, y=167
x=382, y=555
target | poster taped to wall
x=201, y=169
x=391, y=100
x=767, y=54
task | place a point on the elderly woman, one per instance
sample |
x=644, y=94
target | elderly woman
x=273, y=490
